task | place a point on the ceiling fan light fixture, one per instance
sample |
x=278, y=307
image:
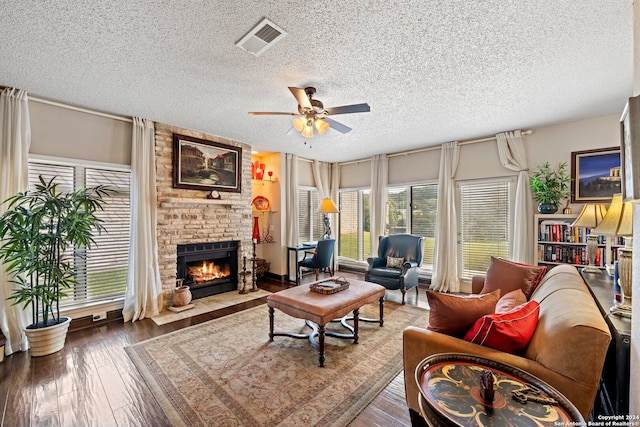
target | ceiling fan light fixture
x=307, y=132
x=299, y=123
x=322, y=126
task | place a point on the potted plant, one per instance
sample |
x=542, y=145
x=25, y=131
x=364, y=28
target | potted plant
x=38, y=233
x=550, y=186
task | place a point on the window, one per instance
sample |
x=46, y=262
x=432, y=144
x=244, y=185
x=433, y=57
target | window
x=101, y=271
x=412, y=209
x=483, y=225
x=310, y=222
x=354, y=229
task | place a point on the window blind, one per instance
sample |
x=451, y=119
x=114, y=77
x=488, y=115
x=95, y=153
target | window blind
x=424, y=201
x=483, y=227
x=101, y=271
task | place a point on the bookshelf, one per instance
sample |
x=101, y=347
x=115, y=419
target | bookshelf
x=557, y=242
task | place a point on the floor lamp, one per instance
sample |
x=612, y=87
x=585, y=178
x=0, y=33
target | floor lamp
x=590, y=217
x=619, y=222
x=326, y=207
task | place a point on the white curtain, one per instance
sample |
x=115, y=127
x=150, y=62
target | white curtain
x=335, y=187
x=327, y=179
x=445, y=263
x=144, y=287
x=291, y=200
x=514, y=157
x=379, y=179
x=15, y=139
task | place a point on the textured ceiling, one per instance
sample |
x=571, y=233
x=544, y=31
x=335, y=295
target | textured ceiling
x=432, y=70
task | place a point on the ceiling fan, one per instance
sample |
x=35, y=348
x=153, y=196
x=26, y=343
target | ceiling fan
x=311, y=112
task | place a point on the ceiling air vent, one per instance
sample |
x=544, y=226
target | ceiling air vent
x=261, y=37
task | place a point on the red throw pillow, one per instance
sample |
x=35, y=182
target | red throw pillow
x=454, y=314
x=509, y=276
x=509, y=332
x=510, y=300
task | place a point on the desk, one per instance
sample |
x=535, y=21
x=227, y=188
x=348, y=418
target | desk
x=449, y=395
x=296, y=249
x=613, y=393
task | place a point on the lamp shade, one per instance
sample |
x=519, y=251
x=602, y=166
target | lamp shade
x=307, y=131
x=590, y=216
x=322, y=126
x=619, y=218
x=327, y=206
x=299, y=123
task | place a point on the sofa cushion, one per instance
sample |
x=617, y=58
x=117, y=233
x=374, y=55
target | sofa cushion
x=394, y=262
x=455, y=314
x=509, y=332
x=509, y=276
x=510, y=300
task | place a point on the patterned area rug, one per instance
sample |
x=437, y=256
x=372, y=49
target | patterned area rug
x=226, y=372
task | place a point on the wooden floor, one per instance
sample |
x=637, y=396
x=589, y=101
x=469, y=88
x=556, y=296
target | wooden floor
x=93, y=382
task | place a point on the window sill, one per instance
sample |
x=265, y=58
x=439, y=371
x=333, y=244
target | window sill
x=89, y=309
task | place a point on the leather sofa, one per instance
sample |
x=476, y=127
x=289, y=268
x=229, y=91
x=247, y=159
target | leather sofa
x=567, y=350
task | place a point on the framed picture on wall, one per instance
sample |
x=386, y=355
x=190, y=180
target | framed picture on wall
x=206, y=165
x=629, y=140
x=596, y=175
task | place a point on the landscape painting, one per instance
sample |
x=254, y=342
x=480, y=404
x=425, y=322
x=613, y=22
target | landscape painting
x=205, y=165
x=596, y=175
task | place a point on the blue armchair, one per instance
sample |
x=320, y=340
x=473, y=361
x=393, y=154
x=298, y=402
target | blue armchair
x=407, y=250
x=320, y=259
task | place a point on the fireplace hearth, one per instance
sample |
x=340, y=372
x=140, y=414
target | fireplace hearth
x=208, y=268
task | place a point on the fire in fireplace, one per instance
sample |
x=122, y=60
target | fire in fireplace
x=208, y=268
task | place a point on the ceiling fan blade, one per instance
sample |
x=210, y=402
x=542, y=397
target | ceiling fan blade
x=271, y=113
x=338, y=126
x=347, y=109
x=301, y=97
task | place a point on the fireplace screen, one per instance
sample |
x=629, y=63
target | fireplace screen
x=202, y=272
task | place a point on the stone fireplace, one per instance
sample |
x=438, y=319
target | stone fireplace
x=208, y=268
x=186, y=217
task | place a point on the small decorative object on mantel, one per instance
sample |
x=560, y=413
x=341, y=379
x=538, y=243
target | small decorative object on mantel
x=550, y=186
x=329, y=286
x=213, y=195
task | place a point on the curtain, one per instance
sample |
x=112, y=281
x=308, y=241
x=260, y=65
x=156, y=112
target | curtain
x=327, y=180
x=291, y=200
x=379, y=179
x=514, y=157
x=445, y=262
x=15, y=139
x=142, y=297
x=335, y=187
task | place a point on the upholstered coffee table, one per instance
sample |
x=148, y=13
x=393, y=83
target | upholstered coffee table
x=319, y=309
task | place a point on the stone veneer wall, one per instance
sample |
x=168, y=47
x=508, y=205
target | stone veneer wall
x=186, y=216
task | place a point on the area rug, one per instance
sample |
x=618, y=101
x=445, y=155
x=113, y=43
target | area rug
x=226, y=372
x=210, y=303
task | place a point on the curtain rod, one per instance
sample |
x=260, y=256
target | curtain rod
x=80, y=109
x=435, y=147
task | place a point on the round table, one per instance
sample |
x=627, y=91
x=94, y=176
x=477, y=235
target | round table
x=449, y=385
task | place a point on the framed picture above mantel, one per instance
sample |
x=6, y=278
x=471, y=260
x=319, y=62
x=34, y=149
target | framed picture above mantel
x=199, y=164
x=596, y=175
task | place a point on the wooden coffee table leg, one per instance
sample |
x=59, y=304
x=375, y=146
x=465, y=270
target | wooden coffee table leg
x=321, y=331
x=271, y=323
x=381, y=311
x=356, y=320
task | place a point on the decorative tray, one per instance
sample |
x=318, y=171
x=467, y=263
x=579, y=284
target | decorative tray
x=329, y=286
x=261, y=203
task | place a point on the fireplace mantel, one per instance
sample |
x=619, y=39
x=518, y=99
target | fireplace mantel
x=177, y=202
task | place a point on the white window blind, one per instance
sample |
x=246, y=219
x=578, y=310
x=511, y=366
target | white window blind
x=397, y=202
x=484, y=215
x=101, y=271
x=424, y=201
x=310, y=222
x=354, y=229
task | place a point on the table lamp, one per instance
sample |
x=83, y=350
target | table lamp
x=619, y=222
x=327, y=206
x=590, y=217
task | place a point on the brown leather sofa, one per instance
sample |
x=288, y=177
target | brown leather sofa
x=567, y=349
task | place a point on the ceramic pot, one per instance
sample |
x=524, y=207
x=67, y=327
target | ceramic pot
x=181, y=296
x=547, y=208
x=45, y=341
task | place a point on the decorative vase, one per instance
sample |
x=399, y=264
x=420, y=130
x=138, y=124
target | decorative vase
x=181, y=296
x=256, y=230
x=45, y=341
x=547, y=208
